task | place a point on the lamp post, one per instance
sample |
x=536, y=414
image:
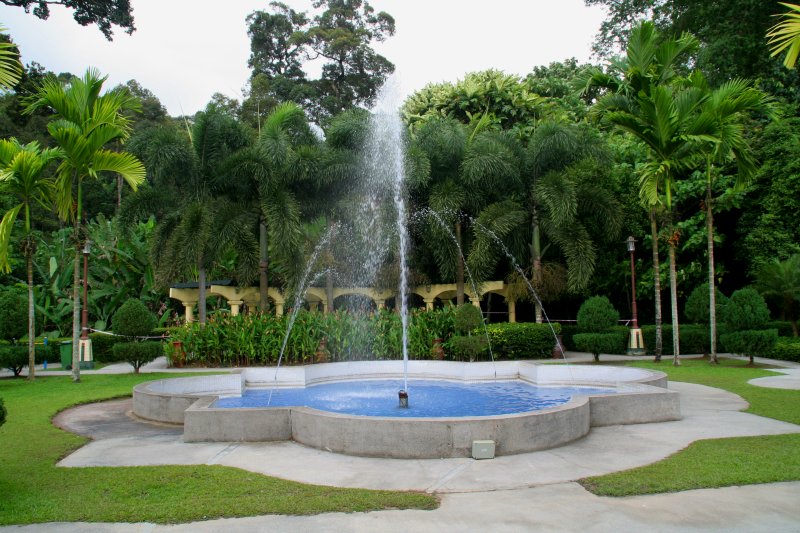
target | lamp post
x=86, y=359
x=636, y=340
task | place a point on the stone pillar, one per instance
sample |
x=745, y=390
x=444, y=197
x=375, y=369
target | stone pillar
x=476, y=302
x=512, y=311
x=324, y=303
x=235, y=306
x=313, y=306
x=429, y=303
x=189, y=311
x=380, y=304
x=278, y=309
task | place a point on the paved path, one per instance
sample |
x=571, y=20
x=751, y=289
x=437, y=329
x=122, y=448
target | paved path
x=527, y=492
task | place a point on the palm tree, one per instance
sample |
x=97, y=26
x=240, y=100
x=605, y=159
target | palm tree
x=197, y=223
x=10, y=67
x=84, y=123
x=723, y=115
x=648, y=99
x=267, y=177
x=785, y=35
x=781, y=279
x=468, y=169
x=22, y=177
x=564, y=201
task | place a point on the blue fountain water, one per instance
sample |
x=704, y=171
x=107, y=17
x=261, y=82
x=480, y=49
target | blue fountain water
x=432, y=399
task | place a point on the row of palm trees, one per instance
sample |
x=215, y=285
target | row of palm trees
x=686, y=126
x=84, y=122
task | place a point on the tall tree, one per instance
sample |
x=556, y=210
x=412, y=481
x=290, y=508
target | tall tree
x=22, y=176
x=103, y=13
x=565, y=199
x=85, y=121
x=723, y=114
x=468, y=169
x=340, y=35
x=197, y=224
x=647, y=98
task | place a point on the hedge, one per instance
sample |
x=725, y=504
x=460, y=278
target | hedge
x=784, y=327
x=694, y=339
x=612, y=342
x=103, y=347
x=15, y=356
x=522, y=340
x=786, y=349
x=751, y=342
x=567, y=332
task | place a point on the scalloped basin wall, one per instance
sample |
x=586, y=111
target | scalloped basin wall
x=641, y=396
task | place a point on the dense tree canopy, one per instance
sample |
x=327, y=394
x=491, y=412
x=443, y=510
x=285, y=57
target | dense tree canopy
x=103, y=13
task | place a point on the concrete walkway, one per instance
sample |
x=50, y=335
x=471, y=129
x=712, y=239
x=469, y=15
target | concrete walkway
x=527, y=492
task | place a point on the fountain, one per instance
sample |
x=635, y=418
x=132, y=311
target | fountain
x=328, y=406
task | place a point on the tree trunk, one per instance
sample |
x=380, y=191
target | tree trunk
x=712, y=297
x=459, y=267
x=201, y=298
x=31, y=317
x=673, y=293
x=329, y=292
x=263, y=266
x=536, y=255
x=659, y=347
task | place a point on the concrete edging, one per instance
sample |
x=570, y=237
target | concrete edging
x=641, y=397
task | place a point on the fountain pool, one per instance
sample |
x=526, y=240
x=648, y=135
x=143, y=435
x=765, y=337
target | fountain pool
x=621, y=395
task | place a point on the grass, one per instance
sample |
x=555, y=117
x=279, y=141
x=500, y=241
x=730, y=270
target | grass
x=718, y=462
x=34, y=490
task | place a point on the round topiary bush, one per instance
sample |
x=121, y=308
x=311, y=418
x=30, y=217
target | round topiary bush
x=13, y=315
x=468, y=317
x=696, y=308
x=133, y=319
x=746, y=310
x=597, y=315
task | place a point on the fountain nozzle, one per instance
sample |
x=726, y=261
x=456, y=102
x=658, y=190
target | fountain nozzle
x=403, y=396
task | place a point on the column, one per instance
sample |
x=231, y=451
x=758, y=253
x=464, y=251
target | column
x=429, y=303
x=278, y=309
x=512, y=311
x=189, y=314
x=235, y=306
x=475, y=301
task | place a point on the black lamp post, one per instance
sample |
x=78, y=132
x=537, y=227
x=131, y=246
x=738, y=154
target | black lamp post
x=636, y=340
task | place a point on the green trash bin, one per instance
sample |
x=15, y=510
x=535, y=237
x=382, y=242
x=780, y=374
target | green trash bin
x=66, y=355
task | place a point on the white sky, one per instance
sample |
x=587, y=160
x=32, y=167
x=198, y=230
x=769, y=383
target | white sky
x=186, y=50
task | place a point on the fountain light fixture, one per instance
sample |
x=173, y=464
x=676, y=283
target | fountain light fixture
x=636, y=339
x=403, y=397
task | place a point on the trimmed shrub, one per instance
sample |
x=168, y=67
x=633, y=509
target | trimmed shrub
x=13, y=315
x=597, y=315
x=468, y=317
x=523, y=340
x=133, y=319
x=750, y=342
x=613, y=342
x=138, y=354
x=786, y=349
x=696, y=308
x=784, y=327
x=469, y=347
x=14, y=357
x=102, y=347
x=746, y=310
x=2, y=412
x=695, y=338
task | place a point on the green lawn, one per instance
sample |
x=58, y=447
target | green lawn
x=34, y=490
x=718, y=462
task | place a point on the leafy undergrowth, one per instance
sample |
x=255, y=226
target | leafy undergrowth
x=35, y=490
x=723, y=462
